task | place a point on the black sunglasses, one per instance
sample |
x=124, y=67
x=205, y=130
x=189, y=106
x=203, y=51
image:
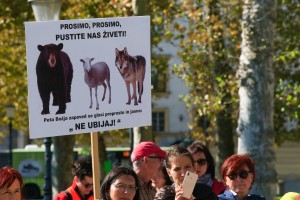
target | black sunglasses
x=201, y=161
x=87, y=185
x=155, y=157
x=242, y=174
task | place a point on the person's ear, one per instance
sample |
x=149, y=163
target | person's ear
x=168, y=171
x=145, y=159
x=252, y=177
x=76, y=179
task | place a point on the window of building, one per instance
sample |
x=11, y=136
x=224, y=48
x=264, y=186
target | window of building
x=159, y=121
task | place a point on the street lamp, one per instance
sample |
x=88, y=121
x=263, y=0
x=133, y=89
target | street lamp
x=46, y=10
x=10, y=113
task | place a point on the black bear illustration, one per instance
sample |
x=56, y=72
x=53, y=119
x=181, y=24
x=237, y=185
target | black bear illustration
x=54, y=72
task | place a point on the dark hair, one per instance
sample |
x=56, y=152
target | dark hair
x=235, y=163
x=82, y=167
x=113, y=175
x=177, y=150
x=166, y=176
x=198, y=147
x=8, y=176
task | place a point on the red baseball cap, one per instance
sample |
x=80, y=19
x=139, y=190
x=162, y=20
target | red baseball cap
x=145, y=149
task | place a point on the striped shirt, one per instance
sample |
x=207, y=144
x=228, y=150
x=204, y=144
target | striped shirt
x=147, y=191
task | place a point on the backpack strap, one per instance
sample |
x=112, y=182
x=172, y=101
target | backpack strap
x=69, y=196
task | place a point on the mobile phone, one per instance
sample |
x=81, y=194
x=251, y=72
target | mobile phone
x=188, y=184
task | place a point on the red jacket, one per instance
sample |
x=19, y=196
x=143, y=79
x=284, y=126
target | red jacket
x=218, y=187
x=73, y=190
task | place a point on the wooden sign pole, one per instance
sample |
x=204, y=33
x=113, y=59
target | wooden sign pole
x=96, y=165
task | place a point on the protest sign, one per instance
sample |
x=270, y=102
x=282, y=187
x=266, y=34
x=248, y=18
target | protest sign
x=66, y=59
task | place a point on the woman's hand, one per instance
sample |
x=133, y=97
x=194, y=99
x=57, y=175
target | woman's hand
x=179, y=193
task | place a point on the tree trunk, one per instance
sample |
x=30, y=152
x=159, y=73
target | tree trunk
x=102, y=155
x=224, y=138
x=224, y=122
x=256, y=76
x=63, y=160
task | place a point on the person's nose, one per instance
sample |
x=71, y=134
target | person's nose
x=13, y=196
x=126, y=190
x=238, y=178
x=183, y=171
x=196, y=165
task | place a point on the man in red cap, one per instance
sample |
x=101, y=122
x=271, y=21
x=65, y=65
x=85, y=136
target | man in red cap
x=147, y=159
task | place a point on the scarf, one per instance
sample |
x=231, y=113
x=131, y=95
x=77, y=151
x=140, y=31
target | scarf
x=205, y=179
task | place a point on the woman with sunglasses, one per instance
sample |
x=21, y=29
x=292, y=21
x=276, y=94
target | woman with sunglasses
x=179, y=161
x=238, y=174
x=205, y=167
x=120, y=183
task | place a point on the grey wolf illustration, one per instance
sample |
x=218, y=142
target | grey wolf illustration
x=54, y=72
x=94, y=76
x=132, y=69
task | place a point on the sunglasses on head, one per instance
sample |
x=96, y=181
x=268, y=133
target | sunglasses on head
x=241, y=174
x=201, y=162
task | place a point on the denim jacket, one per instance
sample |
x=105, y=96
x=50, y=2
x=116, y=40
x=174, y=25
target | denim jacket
x=228, y=195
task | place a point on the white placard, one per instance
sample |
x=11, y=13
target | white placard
x=93, y=38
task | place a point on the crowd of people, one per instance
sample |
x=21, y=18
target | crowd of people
x=155, y=175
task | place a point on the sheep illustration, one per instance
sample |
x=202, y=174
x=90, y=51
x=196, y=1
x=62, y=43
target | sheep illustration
x=94, y=76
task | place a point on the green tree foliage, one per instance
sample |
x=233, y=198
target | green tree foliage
x=209, y=48
x=287, y=52
x=13, y=82
x=210, y=64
